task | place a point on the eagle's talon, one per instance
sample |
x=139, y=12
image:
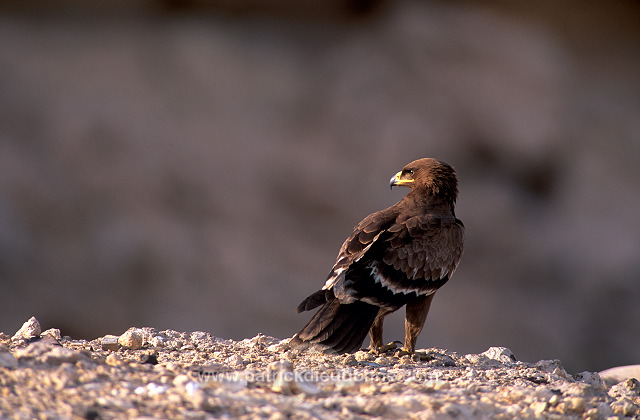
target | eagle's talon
x=404, y=352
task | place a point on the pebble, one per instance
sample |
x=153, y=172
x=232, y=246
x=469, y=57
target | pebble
x=157, y=341
x=578, y=389
x=383, y=361
x=591, y=378
x=629, y=388
x=289, y=383
x=350, y=360
x=554, y=367
x=132, y=339
x=501, y=354
x=280, y=346
x=200, y=336
x=109, y=343
x=29, y=329
x=235, y=360
x=364, y=356
x=52, y=332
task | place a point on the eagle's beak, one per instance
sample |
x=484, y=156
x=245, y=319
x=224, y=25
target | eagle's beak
x=397, y=181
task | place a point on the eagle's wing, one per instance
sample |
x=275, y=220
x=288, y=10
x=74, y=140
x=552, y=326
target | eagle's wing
x=388, y=263
x=355, y=247
x=364, y=235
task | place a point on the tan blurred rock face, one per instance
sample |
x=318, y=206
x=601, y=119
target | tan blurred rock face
x=199, y=172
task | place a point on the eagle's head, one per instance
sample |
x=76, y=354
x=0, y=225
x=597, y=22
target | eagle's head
x=429, y=177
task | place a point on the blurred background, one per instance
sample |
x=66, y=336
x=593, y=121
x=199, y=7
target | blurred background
x=196, y=165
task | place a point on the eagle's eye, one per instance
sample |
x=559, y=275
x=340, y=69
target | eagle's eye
x=407, y=172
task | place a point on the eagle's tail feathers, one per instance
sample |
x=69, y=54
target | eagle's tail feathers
x=342, y=327
x=311, y=302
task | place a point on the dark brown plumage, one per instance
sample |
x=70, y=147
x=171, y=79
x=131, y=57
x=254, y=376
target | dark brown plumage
x=398, y=256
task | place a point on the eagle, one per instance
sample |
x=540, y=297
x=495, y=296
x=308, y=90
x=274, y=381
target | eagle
x=399, y=256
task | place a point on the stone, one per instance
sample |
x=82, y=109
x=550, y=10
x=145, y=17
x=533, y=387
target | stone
x=157, y=341
x=281, y=346
x=501, y=354
x=437, y=359
x=578, y=389
x=629, y=388
x=109, y=343
x=235, y=360
x=554, y=367
x=52, y=332
x=364, y=356
x=29, y=329
x=591, y=378
x=349, y=360
x=132, y=339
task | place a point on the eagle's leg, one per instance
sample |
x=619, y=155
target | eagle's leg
x=416, y=315
x=375, y=333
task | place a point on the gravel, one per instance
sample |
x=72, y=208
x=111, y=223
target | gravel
x=146, y=373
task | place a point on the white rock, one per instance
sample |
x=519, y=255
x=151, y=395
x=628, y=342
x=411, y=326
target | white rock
x=501, y=354
x=29, y=329
x=157, y=341
x=591, y=378
x=235, y=360
x=52, y=332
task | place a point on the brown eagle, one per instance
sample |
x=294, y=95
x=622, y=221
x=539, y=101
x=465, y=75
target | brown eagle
x=398, y=256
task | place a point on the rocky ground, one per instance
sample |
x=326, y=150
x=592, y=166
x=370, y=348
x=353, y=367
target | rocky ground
x=145, y=373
